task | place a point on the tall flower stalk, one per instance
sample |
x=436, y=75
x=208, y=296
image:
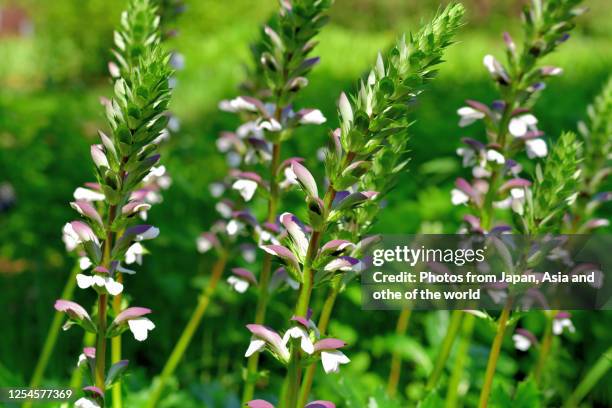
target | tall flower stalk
x=137, y=120
x=285, y=61
x=581, y=217
x=510, y=127
x=369, y=145
x=282, y=63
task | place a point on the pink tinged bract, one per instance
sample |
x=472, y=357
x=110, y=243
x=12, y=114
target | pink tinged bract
x=245, y=274
x=298, y=237
x=84, y=208
x=262, y=336
x=259, y=404
x=336, y=247
x=131, y=313
x=93, y=390
x=84, y=232
x=72, y=309
x=305, y=179
x=284, y=253
x=320, y=404
x=98, y=156
x=329, y=344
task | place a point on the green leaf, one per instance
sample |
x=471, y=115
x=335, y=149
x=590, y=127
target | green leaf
x=115, y=372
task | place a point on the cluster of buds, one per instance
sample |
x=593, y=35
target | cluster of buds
x=128, y=182
x=510, y=123
x=372, y=135
x=282, y=63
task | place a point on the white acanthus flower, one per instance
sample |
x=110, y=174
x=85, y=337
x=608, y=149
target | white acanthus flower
x=140, y=327
x=134, y=254
x=469, y=115
x=536, y=148
x=87, y=194
x=332, y=359
x=299, y=333
x=495, y=156
x=85, y=281
x=86, y=403
x=520, y=125
x=246, y=188
x=458, y=197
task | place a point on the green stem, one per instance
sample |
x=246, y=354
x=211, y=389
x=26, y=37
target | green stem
x=326, y=312
x=264, y=278
x=116, y=349
x=293, y=376
x=189, y=330
x=462, y=355
x=599, y=369
x=494, y=354
x=100, y=373
x=446, y=347
x=545, y=347
x=52, y=333
x=396, y=357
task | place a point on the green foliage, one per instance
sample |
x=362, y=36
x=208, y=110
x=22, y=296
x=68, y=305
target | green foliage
x=597, y=134
x=555, y=186
x=526, y=395
x=283, y=53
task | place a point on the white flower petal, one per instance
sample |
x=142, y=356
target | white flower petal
x=87, y=194
x=84, y=263
x=521, y=342
x=84, y=281
x=314, y=117
x=86, y=403
x=458, y=197
x=254, y=346
x=113, y=287
x=536, y=148
x=246, y=188
x=140, y=327
x=331, y=360
x=517, y=127
x=239, y=285
x=495, y=156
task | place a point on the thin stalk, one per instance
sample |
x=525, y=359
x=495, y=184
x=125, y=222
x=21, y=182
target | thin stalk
x=545, y=347
x=328, y=306
x=264, y=278
x=599, y=369
x=446, y=347
x=462, y=356
x=396, y=357
x=189, y=330
x=116, y=349
x=100, y=369
x=293, y=376
x=494, y=354
x=52, y=333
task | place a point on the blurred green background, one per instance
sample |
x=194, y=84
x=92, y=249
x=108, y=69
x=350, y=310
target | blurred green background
x=53, y=56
